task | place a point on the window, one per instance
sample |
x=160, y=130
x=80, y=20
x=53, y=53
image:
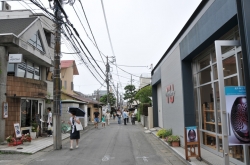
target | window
x=21, y=69
x=50, y=38
x=37, y=72
x=36, y=41
x=65, y=84
x=30, y=70
x=11, y=69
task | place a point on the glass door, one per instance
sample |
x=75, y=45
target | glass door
x=230, y=73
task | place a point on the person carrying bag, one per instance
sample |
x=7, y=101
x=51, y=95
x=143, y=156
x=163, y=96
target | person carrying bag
x=76, y=126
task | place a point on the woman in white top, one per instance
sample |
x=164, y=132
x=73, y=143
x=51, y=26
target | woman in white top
x=107, y=118
x=74, y=134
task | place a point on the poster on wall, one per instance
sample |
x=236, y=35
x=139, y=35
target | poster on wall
x=17, y=130
x=5, y=110
x=236, y=107
x=192, y=135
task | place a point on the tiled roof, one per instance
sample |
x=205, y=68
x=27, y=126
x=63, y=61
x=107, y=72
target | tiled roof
x=81, y=98
x=69, y=63
x=15, y=26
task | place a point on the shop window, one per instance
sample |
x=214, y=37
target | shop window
x=205, y=76
x=229, y=66
x=36, y=41
x=37, y=72
x=237, y=152
x=21, y=69
x=232, y=81
x=25, y=113
x=213, y=55
x=215, y=71
x=204, y=62
x=30, y=70
x=208, y=120
x=209, y=140
x=11, y=69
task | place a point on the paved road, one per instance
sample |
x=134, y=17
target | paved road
x=113, y=145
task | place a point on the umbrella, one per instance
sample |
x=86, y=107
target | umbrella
x=79, y=112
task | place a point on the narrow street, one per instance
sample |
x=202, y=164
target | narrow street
x=113, y=145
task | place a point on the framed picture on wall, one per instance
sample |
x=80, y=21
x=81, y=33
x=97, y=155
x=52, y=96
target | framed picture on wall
x=5, y=110
x=17, y=130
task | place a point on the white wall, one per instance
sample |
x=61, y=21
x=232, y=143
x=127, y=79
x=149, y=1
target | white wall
x=173, y=116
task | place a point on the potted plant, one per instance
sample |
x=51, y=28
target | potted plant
x=174, y=140
x=26, y=138
x=33, y=130
x=168, y=133
x=162, y=133
x=10, y=140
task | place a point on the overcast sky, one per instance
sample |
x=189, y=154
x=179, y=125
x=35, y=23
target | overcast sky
x=140, y=30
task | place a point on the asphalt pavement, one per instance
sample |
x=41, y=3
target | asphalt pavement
x=116, y=144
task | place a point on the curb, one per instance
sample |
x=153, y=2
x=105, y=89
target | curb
x=176, y=154
x=25, y=153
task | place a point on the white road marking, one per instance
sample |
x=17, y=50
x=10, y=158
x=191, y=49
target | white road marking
x=41, y=160
x=107, y=158
x=144, y=158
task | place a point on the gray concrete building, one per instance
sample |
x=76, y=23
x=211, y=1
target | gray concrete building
x=210, y=53
x=27, y=84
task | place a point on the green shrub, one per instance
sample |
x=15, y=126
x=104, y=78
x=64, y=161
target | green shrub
x=169, y=132
x=162, y=133
x=173, y=138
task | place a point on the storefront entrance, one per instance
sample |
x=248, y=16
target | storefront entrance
x=217, y=67
x=31, y=113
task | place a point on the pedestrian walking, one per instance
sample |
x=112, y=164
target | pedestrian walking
x=107, y=118
x=49, y=122
x=124, y=115
x=96, y=118
x=133, y=118
x=119, y=117
x=103, y=121
x=127, y=116
x=74, y=134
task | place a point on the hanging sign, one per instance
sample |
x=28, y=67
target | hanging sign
x=236, y=106
x=15, y=58
x=5, y=110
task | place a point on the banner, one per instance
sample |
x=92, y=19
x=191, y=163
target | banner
x=236, y=106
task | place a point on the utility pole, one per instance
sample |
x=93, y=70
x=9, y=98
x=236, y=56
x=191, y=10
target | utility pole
x=107, y=80
x=57, y=136
x=117, y=94
x=57, y=6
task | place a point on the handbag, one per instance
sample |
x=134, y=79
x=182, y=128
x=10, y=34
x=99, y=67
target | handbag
x=49, y=127
x=79, y=126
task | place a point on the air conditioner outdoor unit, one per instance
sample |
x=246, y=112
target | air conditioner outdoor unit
x=5, y=6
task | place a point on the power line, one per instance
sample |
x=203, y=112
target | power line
x=106, y=23
x=91, y=31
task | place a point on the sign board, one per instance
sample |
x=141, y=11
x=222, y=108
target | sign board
x=192, y=134
x=17, y=130
x=15, y=58
x=237, y=113
x=192, y=143
x=5, y=110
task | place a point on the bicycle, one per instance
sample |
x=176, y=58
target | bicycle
x=65, y=127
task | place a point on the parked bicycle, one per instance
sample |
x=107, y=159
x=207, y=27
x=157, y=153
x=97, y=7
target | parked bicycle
x=65, y=127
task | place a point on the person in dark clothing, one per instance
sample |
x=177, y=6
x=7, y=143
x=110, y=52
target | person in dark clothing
x=96, y=118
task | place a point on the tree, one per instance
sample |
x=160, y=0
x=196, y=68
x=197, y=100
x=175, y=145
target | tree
x=130, y=93
x=143, y=94
x=112, y=99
